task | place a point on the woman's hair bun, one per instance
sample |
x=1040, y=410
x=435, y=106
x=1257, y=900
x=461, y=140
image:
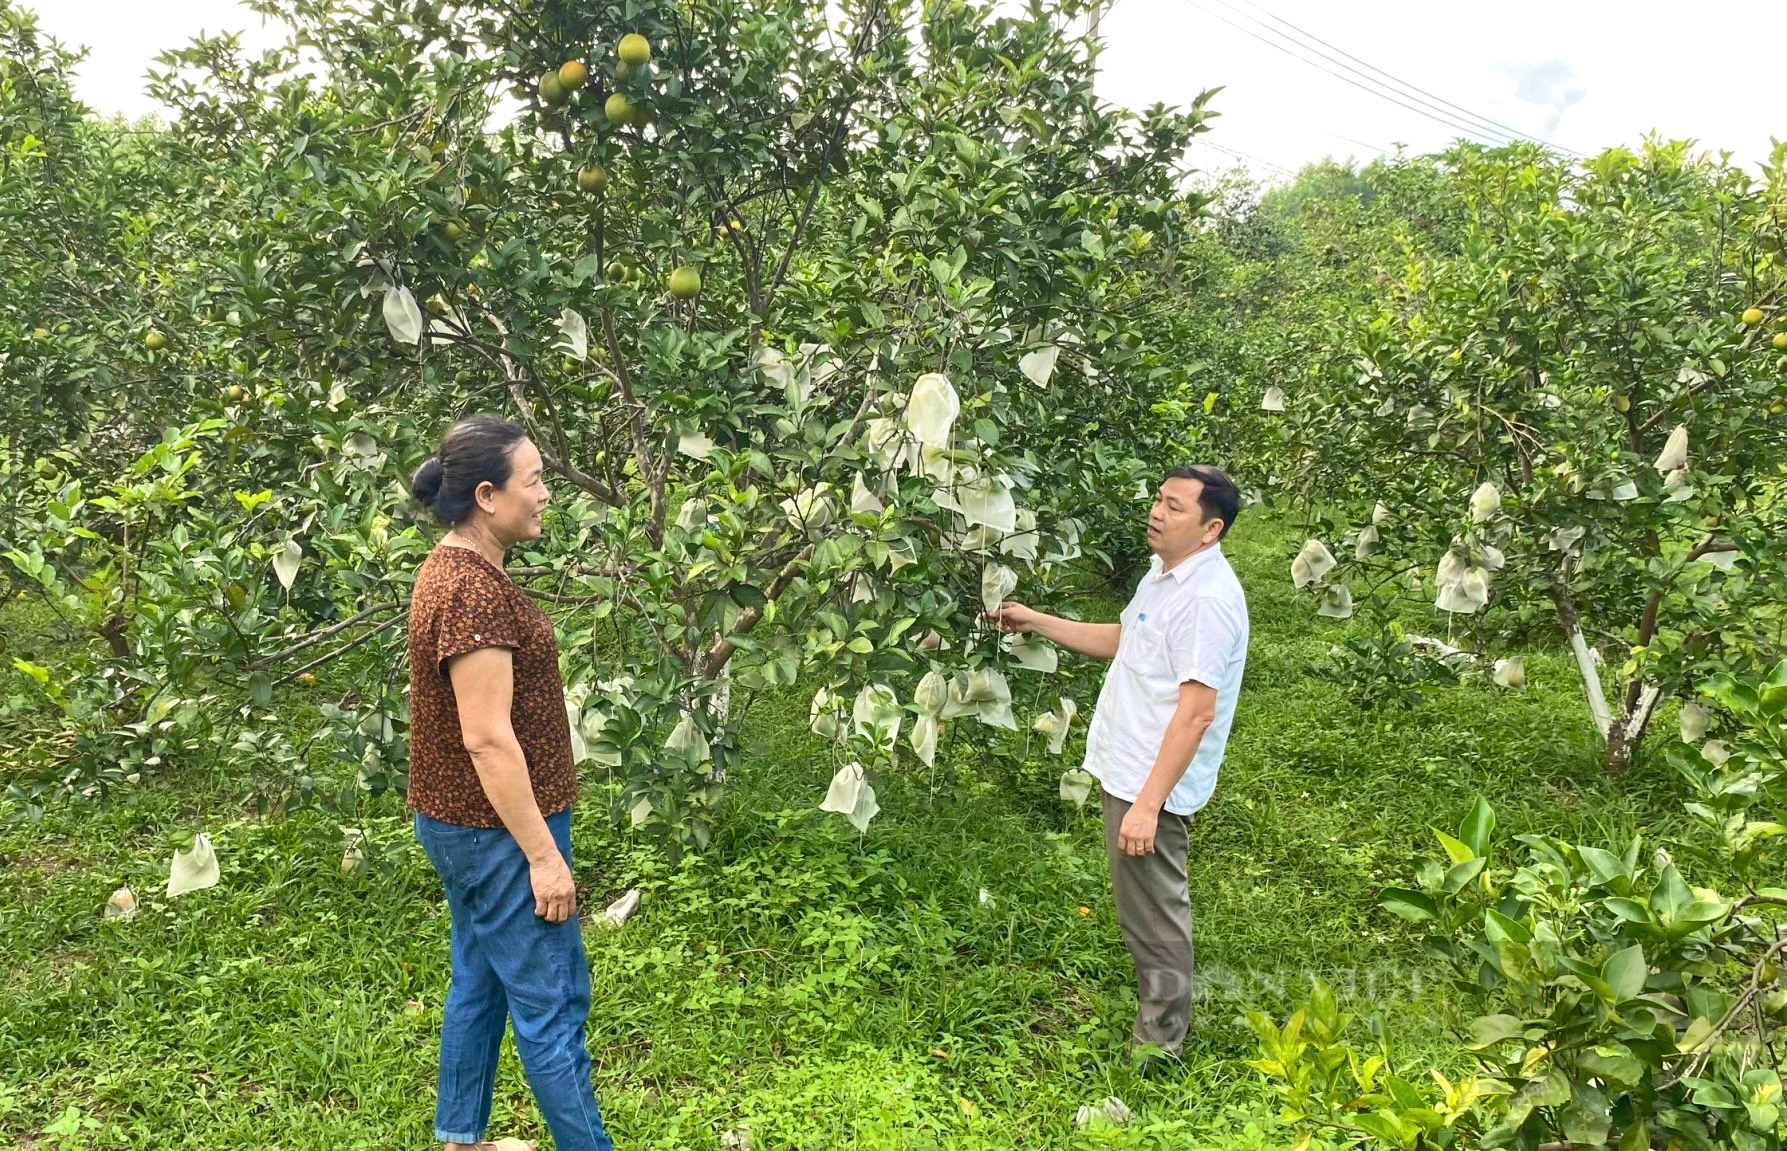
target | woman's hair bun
x=474, y=451
x=426, y=484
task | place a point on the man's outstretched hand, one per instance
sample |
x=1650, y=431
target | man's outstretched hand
x=1098, y=640
x=1015, y=617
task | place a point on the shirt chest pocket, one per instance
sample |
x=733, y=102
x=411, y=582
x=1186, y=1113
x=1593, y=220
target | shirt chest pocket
x=1144, y=650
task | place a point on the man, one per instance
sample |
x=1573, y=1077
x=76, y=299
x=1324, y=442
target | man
x=1163, y=718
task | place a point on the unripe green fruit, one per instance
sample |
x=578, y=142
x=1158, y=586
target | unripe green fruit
x=685, y=283
x=618, y=109
x=635, y=49
x=552, y=90
x=592, y=179
x=155, y=341
x=1780, y=340
x=454, y=229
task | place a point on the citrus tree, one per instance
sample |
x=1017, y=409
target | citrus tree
x=1572, y=409
x=1613, y=1001
x=93, y=243
x=813, y=314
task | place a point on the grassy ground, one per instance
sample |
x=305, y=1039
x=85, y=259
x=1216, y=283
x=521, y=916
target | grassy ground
x=829, y=990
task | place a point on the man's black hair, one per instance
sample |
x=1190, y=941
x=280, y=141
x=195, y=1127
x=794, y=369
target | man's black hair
x=1220, y=498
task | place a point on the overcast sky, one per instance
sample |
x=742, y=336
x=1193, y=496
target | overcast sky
x=1580, y=74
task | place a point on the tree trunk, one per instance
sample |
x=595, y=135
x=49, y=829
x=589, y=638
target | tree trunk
x=1585, y=660
x=1621, y=735
x=1624, y=736
x=719, y=705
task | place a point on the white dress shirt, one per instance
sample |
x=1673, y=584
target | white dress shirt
x=1183, y=625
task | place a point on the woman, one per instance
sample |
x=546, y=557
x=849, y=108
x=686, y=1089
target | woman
x=492, y=783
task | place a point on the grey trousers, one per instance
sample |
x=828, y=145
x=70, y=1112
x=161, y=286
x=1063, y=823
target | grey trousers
x=1154, y=911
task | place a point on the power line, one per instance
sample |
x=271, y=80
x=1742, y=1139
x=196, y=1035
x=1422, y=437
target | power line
x=1374, y=147
x=1470, y=131
x=1411, y=88
x=1498, y=133
x=1240, y=155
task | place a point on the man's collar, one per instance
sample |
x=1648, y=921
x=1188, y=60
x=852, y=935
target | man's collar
x=1187, y=566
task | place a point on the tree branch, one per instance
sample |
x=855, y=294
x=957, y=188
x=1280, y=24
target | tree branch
x=1585, y=663
x=636, y=422
x=326, y=633
x=747, y=621
x=334, y=655
x=839, y=132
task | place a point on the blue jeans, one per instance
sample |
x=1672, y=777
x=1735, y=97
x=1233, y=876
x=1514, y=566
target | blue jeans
x=509, y=964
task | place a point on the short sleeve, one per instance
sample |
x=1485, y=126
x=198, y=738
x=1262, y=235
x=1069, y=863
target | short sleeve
x=1201, y=640
x=476, y=612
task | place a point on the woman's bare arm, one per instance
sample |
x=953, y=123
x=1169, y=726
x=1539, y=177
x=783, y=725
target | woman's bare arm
x=484, y=685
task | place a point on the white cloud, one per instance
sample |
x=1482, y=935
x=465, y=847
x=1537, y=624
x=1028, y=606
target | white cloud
x=1547, y=84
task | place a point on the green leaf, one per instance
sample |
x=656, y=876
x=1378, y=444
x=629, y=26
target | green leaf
x=1625, y=972
x=1460, y=875
x=1488, y=1030
x=1551, y=1091
x=1636, y=1138
x=1322, y=1010
x=1709, y=1093
x=1515, y=960
x=1605, y=868
x=1613, y=1063
x=1411, y=905
x=1629, y=910
x=1499, y=928
x=1586, y=1121
x=1696, y=1036
x=1456, y=850
x=1404, y=1093
x=1385, y=1126
x=70, y=1124
x=1703, y=911
x=1477, y=825
x=1671, y=894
